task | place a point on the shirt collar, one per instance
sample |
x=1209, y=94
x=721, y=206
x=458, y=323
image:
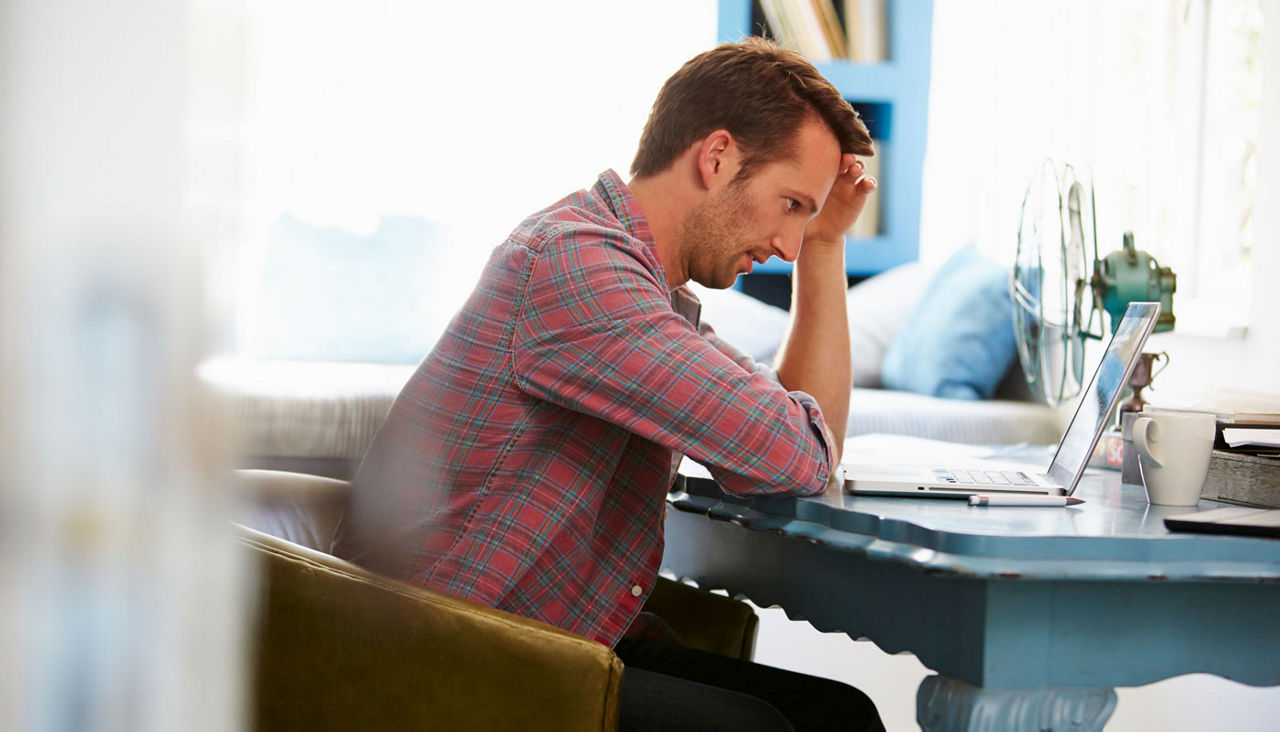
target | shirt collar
x=617, y=195
x=687, y=305
x=623, y=203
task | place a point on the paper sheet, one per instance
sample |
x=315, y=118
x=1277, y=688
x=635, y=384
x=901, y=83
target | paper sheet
x=1238, y=436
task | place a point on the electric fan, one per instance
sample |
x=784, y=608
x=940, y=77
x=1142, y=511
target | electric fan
x=1058, y=283
x=1057, y=239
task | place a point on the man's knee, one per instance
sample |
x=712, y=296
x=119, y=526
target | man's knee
x=830, y=704
x=653, y=701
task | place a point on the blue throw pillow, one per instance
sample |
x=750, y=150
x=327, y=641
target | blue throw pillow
x=959, y=340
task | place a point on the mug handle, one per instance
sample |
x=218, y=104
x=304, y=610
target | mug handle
x=1141, y=426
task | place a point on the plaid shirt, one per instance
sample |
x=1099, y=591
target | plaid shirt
x=526, y=463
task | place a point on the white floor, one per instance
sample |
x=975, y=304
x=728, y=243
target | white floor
x=1196, y=702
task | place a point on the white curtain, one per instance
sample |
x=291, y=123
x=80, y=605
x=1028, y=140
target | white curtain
x=466, y=115
x=1156, y=99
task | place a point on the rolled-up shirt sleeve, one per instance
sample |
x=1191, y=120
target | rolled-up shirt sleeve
x=684, y=302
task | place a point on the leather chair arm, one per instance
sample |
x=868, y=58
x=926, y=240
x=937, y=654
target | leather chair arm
x=339, y=647
x=704, y=620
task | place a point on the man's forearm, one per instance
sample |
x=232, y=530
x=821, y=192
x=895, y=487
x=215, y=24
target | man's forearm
x=815, y=353
x=814, y=357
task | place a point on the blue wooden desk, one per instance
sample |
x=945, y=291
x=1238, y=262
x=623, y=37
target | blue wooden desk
x=1030, y=616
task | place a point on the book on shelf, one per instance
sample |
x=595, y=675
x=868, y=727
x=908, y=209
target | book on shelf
x=813, y=28
x=796, y=25
x=816, y=44
x=831, y=27
x=776, y=21
x=866, y=32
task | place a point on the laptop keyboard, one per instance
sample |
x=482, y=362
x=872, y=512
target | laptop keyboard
x=983, y=477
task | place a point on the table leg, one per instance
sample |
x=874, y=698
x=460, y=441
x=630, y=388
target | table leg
x=946, y=704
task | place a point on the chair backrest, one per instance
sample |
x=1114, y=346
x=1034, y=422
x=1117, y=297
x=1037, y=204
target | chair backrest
x=339, y=647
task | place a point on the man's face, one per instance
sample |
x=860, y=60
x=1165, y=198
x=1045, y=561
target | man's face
x=747, y=221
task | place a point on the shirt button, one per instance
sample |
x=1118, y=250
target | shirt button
x=637, y=591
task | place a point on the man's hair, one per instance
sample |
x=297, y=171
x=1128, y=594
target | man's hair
x=758, y=91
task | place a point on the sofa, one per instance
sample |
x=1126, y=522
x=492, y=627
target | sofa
x=320, y=416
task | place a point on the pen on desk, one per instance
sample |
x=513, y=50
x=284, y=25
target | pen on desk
x=1023, y=501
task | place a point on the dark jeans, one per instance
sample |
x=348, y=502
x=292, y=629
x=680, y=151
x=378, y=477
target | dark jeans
x=667, y=687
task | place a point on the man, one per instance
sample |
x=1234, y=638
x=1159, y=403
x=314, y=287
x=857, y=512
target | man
x=526, y=463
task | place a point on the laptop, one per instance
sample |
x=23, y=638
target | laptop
x=1069, y=461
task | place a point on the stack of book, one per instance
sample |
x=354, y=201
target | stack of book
x=1245, y=468
x=813, y=28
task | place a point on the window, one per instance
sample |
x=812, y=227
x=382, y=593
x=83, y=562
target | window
x=1158, y=100
x=420, y=134
x=1232, y=93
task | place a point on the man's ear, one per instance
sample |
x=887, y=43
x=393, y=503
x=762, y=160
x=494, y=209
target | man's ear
x=718, y=159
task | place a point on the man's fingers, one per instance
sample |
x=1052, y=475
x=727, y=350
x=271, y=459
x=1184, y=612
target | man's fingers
x=849, y=161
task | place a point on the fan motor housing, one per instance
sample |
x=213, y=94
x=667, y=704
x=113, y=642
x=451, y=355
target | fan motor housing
x=1130, y=275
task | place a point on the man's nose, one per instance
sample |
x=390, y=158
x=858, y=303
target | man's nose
x=786, y=244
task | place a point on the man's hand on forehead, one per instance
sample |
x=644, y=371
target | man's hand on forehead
x=844, y=203
x=850, y=161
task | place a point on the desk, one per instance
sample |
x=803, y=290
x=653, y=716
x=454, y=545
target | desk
x=1030, y=616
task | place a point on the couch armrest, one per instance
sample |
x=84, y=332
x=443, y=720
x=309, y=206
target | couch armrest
x=304, y=509
x=339, y=647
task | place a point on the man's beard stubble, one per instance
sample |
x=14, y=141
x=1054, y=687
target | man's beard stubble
x=711, y=239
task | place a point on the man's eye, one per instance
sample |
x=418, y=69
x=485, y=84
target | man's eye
x=792, y=205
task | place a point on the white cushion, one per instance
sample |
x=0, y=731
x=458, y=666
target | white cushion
x=878, y=306
x=987, y=422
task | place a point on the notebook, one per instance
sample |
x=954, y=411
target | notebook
x=1069, y=460
x=1243, y=520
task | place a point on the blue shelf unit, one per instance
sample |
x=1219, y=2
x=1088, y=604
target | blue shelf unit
x=893, y=99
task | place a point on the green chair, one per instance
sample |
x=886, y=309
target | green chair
x=339, y=647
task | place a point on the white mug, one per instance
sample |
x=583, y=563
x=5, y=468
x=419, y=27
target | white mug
x=1173, y=454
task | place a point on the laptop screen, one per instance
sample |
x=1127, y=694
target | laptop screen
x=1100, y=396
